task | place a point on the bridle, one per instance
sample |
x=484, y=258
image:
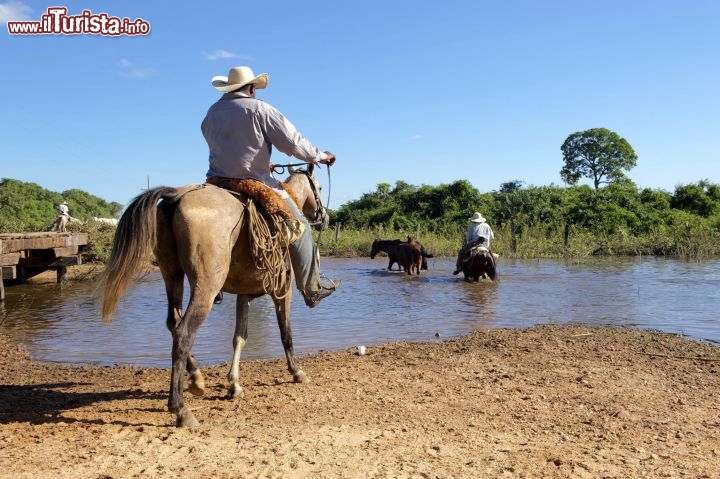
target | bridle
x=320, y=219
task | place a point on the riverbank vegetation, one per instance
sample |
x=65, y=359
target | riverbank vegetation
x=538, y=221
x=26, y=207
x=529, y=221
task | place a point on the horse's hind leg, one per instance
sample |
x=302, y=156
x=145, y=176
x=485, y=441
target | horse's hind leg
x=282, y=309
x=183, y=339
x=173, y=276
x=491, y=267
x=242, y=310
x=418, y=265
x=174, y=291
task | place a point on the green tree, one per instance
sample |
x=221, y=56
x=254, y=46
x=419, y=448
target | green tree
x=700, y=198
x=598, y=154
x=383, y=189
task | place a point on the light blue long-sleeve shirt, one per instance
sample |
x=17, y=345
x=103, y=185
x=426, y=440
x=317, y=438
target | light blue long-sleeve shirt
x=240, y=132
x=476, y=230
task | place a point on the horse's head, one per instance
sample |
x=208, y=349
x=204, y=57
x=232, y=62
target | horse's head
x=375, y=249
x=308, y=191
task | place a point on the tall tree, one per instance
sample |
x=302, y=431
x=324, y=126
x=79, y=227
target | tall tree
x=598, y=154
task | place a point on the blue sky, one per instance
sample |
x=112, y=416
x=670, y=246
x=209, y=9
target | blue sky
x=424, y=92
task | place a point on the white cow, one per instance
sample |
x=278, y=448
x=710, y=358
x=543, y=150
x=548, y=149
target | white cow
x=106, y=221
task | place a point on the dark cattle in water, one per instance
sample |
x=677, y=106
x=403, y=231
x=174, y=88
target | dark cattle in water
x=409, y=257
x=390, y=247
x=387, y=246
x=412, y=241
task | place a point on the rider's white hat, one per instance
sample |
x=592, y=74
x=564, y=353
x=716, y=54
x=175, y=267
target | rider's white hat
x=237, y=78
x=477, y=218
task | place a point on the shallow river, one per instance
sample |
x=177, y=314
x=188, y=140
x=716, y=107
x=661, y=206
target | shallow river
x=61, y=323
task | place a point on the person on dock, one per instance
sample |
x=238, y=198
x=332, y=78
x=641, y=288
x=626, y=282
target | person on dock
x=63, y=218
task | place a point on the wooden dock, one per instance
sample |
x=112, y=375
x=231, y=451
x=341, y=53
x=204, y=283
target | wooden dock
x=24, y=255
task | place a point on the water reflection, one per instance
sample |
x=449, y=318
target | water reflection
x=61, y=323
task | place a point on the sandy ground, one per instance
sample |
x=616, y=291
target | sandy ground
x=551, y=401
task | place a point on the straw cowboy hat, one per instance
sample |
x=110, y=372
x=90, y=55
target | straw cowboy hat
x=237, y=78
x=477, y=218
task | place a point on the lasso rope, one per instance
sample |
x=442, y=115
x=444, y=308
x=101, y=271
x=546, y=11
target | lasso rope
x=269, y=250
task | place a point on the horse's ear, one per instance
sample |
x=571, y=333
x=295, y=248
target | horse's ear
x=310, y=168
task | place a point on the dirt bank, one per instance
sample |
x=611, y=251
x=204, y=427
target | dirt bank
x=544, y=402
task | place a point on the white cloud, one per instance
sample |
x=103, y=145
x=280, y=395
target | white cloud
x=130, y=70
x=13, y=11
x=417, y=136
x=219, y=54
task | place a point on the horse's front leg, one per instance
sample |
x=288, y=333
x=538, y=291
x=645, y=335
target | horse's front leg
x=282, y=310
x=242, y=311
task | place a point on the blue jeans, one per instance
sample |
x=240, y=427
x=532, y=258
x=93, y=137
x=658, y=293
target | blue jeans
x=304, y=256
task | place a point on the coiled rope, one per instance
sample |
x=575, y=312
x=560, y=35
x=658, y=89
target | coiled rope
x=269, y=250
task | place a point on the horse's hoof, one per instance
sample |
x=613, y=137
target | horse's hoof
x=301, y=377
x=235, y=392
x=197, y=389
x=186, y=419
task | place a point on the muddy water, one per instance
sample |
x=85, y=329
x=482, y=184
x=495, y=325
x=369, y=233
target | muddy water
x=61, y=323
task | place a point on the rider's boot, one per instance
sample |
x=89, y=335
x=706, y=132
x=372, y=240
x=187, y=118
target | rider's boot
x=312, y=299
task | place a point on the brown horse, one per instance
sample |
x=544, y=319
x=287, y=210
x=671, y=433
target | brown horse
x=390, y=248
x=204, y=234
x=478, y=263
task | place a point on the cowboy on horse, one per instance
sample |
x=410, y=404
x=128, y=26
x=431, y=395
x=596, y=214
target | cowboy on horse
x=479, y=233
x=240, y=131
x=213, y=238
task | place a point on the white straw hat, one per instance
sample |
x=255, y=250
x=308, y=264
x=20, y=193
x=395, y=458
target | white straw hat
x=237, y=78
x=477, y=218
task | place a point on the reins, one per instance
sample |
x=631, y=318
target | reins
x=280, y=170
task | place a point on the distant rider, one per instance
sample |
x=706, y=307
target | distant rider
x=63, y=217
x=478, y=233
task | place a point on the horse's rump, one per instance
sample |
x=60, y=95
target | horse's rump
x=479, y=249
x=215, y=233
x=479, y=261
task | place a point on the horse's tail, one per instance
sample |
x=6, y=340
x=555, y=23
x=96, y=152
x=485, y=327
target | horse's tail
x=135, y=237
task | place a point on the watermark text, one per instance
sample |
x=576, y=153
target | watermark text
x=57, y=22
